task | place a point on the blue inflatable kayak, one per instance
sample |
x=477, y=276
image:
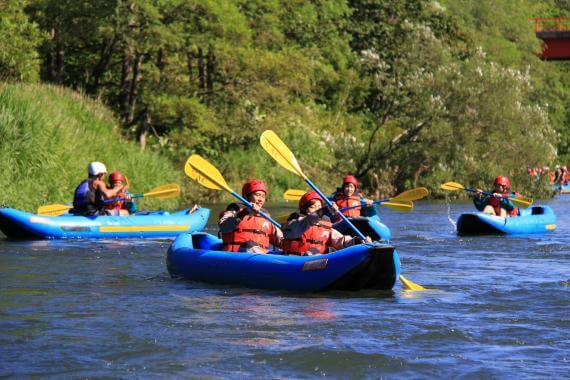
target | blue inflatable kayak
x=197, y=257
x=533, y=220
x=17, y=224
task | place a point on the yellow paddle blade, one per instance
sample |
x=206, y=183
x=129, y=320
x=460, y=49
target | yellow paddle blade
x=404, y=206
x=452, y=186
x=410, y=285
x=205, y=173
x=411, y=195
x=53, y=210
x=522, y=202
x=163, y=192
x=293, y=194
x=280, y=152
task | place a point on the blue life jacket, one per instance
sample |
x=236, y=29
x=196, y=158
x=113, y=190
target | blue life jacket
x=82, y=194
x=86, y=201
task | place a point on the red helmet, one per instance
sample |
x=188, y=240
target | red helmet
x=502, y=180
x=350, y=179
x=308, y=197
x=251, y=186
x=116, y=177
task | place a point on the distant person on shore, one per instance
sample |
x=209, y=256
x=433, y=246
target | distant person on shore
x=243, y=229
x=89, y=196
x=349, y=195
x=309, y=232
x=499, y=204
x=122, y=204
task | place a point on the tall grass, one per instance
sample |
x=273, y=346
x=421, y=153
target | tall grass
x=48, y=136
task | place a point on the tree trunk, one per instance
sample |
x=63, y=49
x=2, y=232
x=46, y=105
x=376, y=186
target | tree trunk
x=144, y=128
x=102, y=66
x=189, y=59
x=134, y=87
x=211, y=68
x=125, y=84
x=201, y=69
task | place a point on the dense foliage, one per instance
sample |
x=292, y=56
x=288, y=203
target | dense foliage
x=402, y=93
x=50, y=134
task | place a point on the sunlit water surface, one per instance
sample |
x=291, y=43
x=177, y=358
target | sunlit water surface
x=499, y=308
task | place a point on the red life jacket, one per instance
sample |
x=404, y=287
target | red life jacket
x=252, y=228
x=315, y=239
x=117, y=204
x=496, y=203
x=342, y=201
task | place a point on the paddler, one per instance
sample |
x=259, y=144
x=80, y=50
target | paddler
x=122, y=204
x=309, y=231
x=499, y=204
x=349, y=195
x=245, y=230
x=89, y=196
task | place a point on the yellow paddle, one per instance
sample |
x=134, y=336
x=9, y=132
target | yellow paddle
x=284, y=157
x=522, y=202
x=400, y=202
x=405, y=206
x=293, y=194
x=207, y=175
x=162, y=192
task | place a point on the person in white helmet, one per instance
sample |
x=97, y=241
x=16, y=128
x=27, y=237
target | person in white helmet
x=89, y=197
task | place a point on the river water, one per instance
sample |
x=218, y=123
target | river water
x=499, y=308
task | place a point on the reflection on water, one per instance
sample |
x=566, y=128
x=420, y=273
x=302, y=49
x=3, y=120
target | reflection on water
x=108, y=308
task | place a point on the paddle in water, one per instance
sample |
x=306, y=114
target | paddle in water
x=284, y=157
x=208, y=176
x=162, y=192
x=522, y=202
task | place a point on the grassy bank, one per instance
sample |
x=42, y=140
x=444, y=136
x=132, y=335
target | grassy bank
x=49, y=134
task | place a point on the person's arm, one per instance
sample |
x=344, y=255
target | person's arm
x=480, y=201
x=230, y=218
x=367, y=207
x=294, y=228
x=507, y=204
x=103, y=189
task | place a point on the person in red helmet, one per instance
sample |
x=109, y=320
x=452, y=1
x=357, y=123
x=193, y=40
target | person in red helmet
x=499, y=204
x=309, y=231
x=122, y=204
x=349, y=195
x=243, y=229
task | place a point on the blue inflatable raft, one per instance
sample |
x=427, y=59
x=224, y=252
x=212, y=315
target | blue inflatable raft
x=197, y=257
x=533, y=220
x=17, y=224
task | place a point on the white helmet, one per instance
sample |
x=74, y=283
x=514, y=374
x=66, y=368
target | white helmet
x=96, y=168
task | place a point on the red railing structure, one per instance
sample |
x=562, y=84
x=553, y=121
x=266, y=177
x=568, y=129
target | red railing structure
x=555, y=34
x=551, y=24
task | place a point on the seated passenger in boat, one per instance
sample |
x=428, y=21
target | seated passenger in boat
x=122, y=204
x=89, y=196
x=245, y=230
x=499, y=204
x=349, y=195
x=309, y=231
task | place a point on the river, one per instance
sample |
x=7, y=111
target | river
x=498, y=308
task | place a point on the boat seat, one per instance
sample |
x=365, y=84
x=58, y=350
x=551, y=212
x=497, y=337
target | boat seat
x=201, y=240
x=537, y=211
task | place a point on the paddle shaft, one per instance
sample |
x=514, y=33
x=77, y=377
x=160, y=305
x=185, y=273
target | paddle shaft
x=342, y=216
x=482, y=192
x=364, y=205
x=248, y=204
